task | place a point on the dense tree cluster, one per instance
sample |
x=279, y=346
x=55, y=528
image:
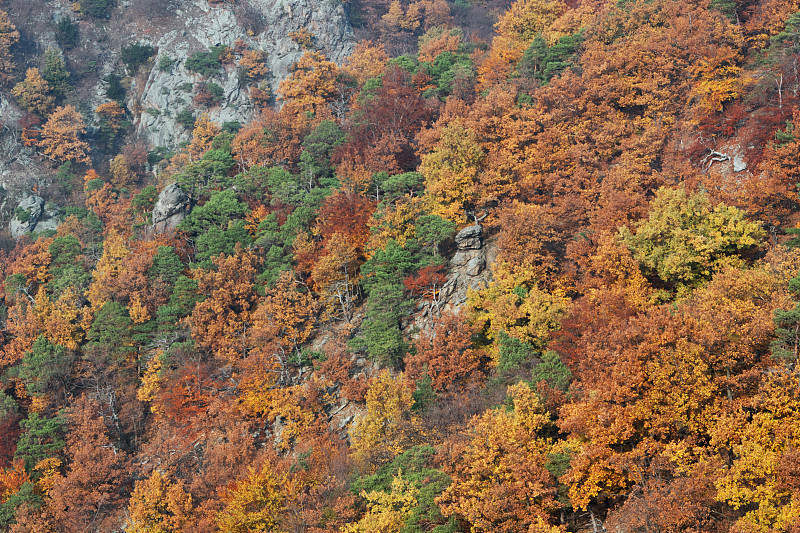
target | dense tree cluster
x=286, y=359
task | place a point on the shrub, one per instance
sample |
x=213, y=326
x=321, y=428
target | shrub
x=303, y=38
x=208, y=94
x=97, y=8
x=158, y=154
x=67, y=34
x=232, y=126
x=136, y=55
x=165, y=64
x=23, y=215
x=185, y=118
x=114, y=89
x=206, y=63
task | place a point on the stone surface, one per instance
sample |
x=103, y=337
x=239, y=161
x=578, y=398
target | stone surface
x=739, y=163
x=50, y=218
x=34, y=207
x=467, y=271
x=19, y=174
x=41, y=217
x=461, y=258
x=476, y=266
x=470, y=238
x=166, y=93
x=176, y=30
x=170, y=209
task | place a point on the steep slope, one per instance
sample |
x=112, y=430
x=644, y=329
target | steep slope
x=142, y=49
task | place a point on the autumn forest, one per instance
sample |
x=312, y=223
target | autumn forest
x=509, y=266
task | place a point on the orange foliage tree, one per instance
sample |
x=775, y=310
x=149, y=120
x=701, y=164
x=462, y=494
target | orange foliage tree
x=446, y=354
x=34, y=93
x=60, y=136
x=367, y=61
x=500, y=479
x=222, y=321
x=82, y=499
x=309, y=88
x=283, y=321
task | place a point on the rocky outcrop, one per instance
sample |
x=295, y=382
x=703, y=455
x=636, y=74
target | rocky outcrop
x=26, y=216
x=32, y=215
x=467, y=267
x=18, y=172
x=726, y=160
x=168, y=91
x=170, y=209
x=470, y=238
x=467, y=270
x=162, y=87
x=50, y=219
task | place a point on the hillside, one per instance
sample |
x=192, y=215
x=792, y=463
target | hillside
x=391, y=266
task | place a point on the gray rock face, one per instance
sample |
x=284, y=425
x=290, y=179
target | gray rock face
x=476, y=265
x=34, y=216
x=460, y=258
x=739, y=163
x=32, y=208
x=168, y=91
x=467, y=271
x=470, y=238
x=170, y=209
x=50, y=218
x=160, y=90
x=18, y=172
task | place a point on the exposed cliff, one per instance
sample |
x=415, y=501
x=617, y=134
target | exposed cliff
x=159, y=89
x=202, y=27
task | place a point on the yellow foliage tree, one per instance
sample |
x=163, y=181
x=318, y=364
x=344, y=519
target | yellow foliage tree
x=34, y=93
x=383, y=431
x=223, y=320
x=529, y=314
x=8, y=37
x=112, y=114
x=203, y=133
x=387, y=512
x=367, y=61
x=310, y=86
x=526, y=18
x=516, y=29
x=394, y=221
x=336, y=277
x=109, y=267
x=254, y=504
x=152, y=381
x=254, y=64
x=283, y=320
x=11, y=479
x=121, y=175
x=764, y=447
x=62, y=318
x=451, y=171
x=159, y=506
x=500, y=483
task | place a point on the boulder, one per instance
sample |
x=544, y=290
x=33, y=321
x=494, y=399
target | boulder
x=476, y=265
x=170, y=209
x=461, y=258
x=26, y=216
x=50, y=218
x=739, y=163
x=470, y=238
